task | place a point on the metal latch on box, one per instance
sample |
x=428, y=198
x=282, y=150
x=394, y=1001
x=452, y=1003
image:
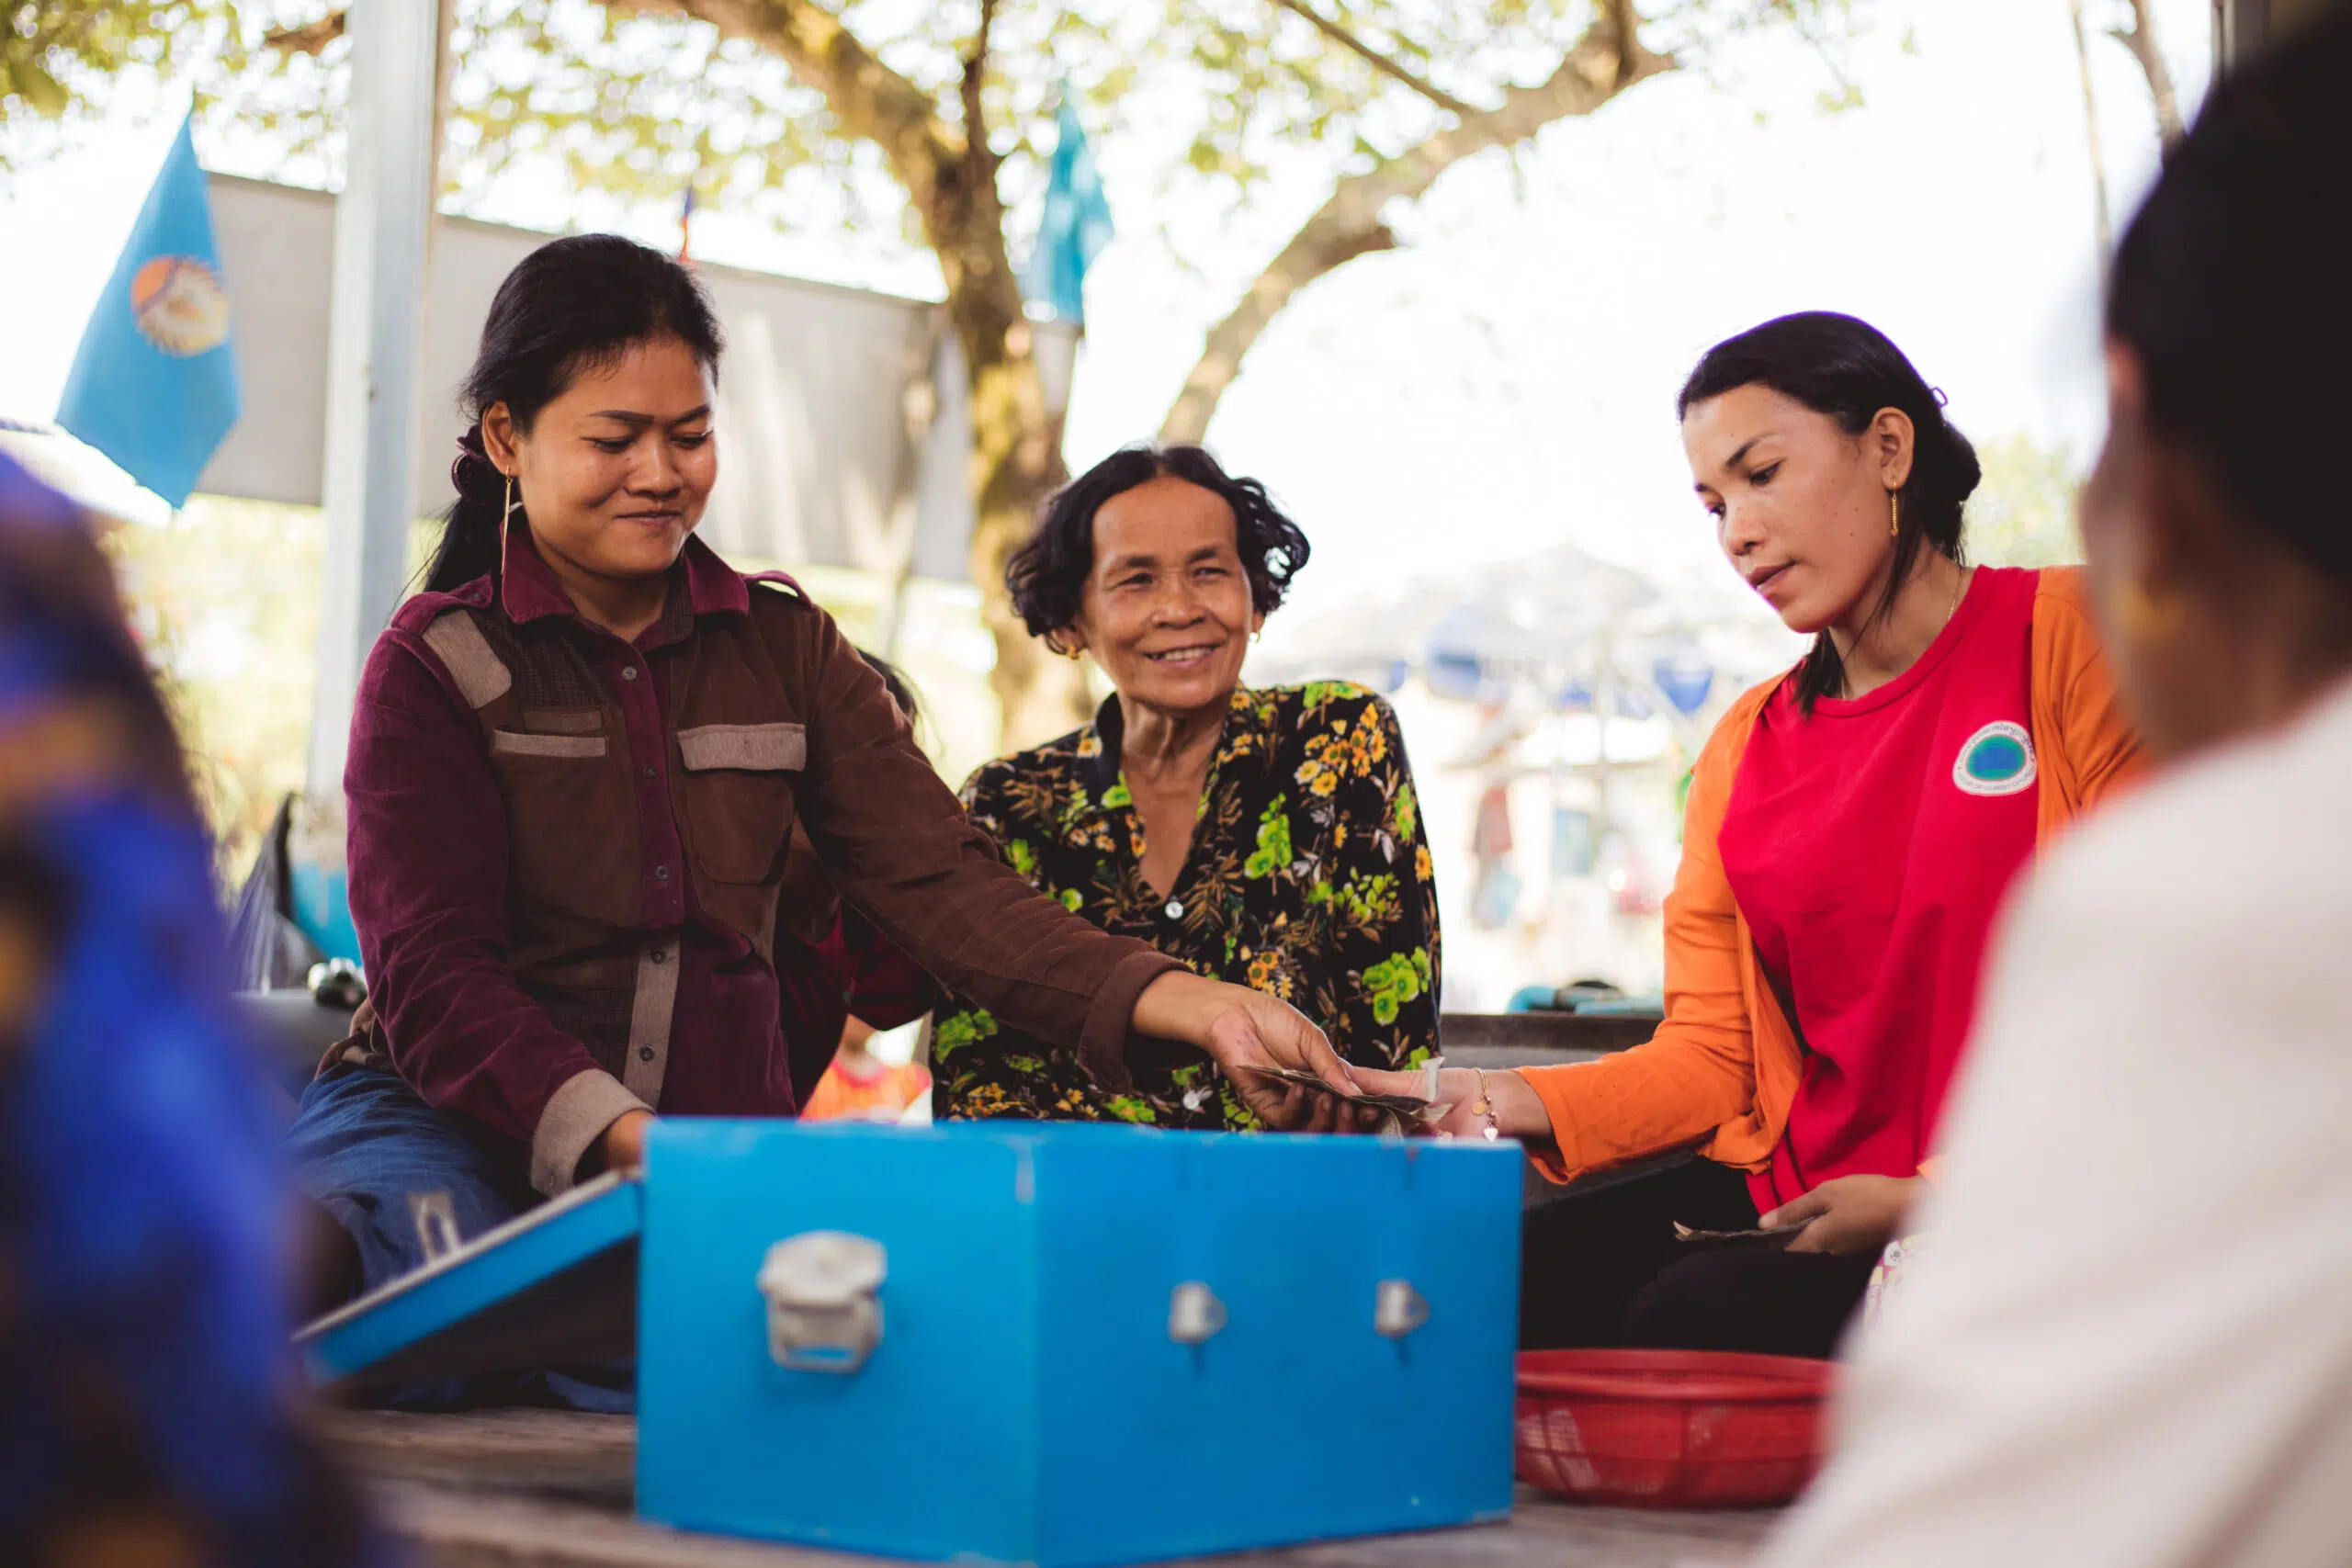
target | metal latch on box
x=1194, y=1315
x=436, y=1219
x=1398, y=1309
x=824, y=1307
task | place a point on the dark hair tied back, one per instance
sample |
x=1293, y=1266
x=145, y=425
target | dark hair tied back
x=571, y=305
x=473, y=475
x=1047, y=576
x=1848, y=370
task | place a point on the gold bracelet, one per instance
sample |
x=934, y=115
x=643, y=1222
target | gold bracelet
x=1484, y=1107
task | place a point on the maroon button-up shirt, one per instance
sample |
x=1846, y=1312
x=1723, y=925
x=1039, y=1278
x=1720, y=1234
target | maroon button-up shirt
x=567, y=853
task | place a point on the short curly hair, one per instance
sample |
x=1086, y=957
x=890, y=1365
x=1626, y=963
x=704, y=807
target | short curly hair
x=1047, y=576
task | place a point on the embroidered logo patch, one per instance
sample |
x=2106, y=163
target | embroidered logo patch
x=180, y=306
x=1997, y=759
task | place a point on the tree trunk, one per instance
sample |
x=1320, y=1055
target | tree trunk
x=949, y=175
x=1607, y=61
x=1014, y=465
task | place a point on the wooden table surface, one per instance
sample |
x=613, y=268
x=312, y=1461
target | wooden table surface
x=548, y=1489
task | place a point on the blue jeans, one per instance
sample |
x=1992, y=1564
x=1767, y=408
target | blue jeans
x=363, y=1141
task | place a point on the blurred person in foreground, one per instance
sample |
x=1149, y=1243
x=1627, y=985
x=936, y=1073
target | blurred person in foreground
x=147, y=1408
x=1268, y=837
x=1852, y=829
x=576, y=759
x=2129, y=1344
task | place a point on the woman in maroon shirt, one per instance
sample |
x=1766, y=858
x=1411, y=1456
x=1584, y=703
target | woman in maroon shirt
x=577, y=759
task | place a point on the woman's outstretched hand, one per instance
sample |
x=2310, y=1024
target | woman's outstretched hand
x=1518, y=1112
x=1244, y=1029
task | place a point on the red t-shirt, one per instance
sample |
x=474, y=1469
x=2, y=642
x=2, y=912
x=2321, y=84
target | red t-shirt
x=1869, y=847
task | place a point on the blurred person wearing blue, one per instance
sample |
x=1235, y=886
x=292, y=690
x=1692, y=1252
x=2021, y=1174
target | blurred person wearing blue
x=147, y=1410
x=2124, y=1342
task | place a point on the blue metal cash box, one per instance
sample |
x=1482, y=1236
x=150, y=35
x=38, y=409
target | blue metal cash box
x=1024, y=1343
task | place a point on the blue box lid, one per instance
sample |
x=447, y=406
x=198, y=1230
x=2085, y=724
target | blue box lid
x=555, y=1286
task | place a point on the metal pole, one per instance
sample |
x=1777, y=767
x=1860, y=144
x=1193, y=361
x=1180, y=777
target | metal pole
x=375, y=345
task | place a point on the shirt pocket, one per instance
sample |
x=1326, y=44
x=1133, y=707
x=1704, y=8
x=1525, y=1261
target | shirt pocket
x=554, y=785
x=520, y=743
x=739, y=796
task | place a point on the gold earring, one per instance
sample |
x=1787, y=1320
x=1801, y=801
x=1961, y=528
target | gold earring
x=2148, y=616
x=503, y=517
x=1895, y=514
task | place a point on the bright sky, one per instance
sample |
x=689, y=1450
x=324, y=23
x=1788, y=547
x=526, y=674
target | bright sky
x=1506, y=380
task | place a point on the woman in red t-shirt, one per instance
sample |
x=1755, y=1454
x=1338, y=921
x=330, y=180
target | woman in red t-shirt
x=1851, y=828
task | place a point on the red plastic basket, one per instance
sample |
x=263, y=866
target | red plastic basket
x=1669, y=1429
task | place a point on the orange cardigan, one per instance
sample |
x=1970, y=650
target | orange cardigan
x=1724, y=1066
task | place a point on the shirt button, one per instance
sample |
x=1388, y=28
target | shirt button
x=1175, y=910
x=629, y=672
x=660, y=873
x=645, y=1053
x=648, y=769
x=660, y=956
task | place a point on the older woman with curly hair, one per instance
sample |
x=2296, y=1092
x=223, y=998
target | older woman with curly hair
x=1269, y=837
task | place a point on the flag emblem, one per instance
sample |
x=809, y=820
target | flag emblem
x=155, y=383
x=1997, y=759
x=180, y=306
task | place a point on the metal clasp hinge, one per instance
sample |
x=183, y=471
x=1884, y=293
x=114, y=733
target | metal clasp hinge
x=824, y=1307
x=1398, y=1309
x=436, y=1219
x=1194, y=1315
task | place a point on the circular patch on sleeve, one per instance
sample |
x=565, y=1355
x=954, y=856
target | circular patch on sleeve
x=1997, y=759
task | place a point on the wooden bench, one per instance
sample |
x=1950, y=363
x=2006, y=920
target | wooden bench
x=550, y=1489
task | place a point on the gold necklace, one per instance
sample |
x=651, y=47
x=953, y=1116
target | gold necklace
x=1959, y=591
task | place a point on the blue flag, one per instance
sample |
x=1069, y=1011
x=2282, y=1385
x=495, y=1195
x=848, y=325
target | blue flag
x=155, y=383
x=1075, y=226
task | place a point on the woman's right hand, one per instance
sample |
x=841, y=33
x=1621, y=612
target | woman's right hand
x=1519, y=1110
x=1243, y=1030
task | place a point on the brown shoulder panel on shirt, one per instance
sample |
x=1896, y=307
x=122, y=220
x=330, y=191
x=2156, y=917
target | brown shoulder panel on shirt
x=482, y=679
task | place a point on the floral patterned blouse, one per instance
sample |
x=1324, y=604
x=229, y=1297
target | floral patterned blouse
x=1307, y=878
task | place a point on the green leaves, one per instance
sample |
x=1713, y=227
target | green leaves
x=1396, y=980
x=957, y=1029
x=2023, y=512
x=60, y=58
x=634, y=102
x=1273, y=840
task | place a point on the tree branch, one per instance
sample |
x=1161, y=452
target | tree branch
x=979, y=160
x=873, y=102
x=1377, y=61
x=2098, y=154
x=1846, y=88
x=311, y=39
x=2141, y=40
x=1607, y=61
